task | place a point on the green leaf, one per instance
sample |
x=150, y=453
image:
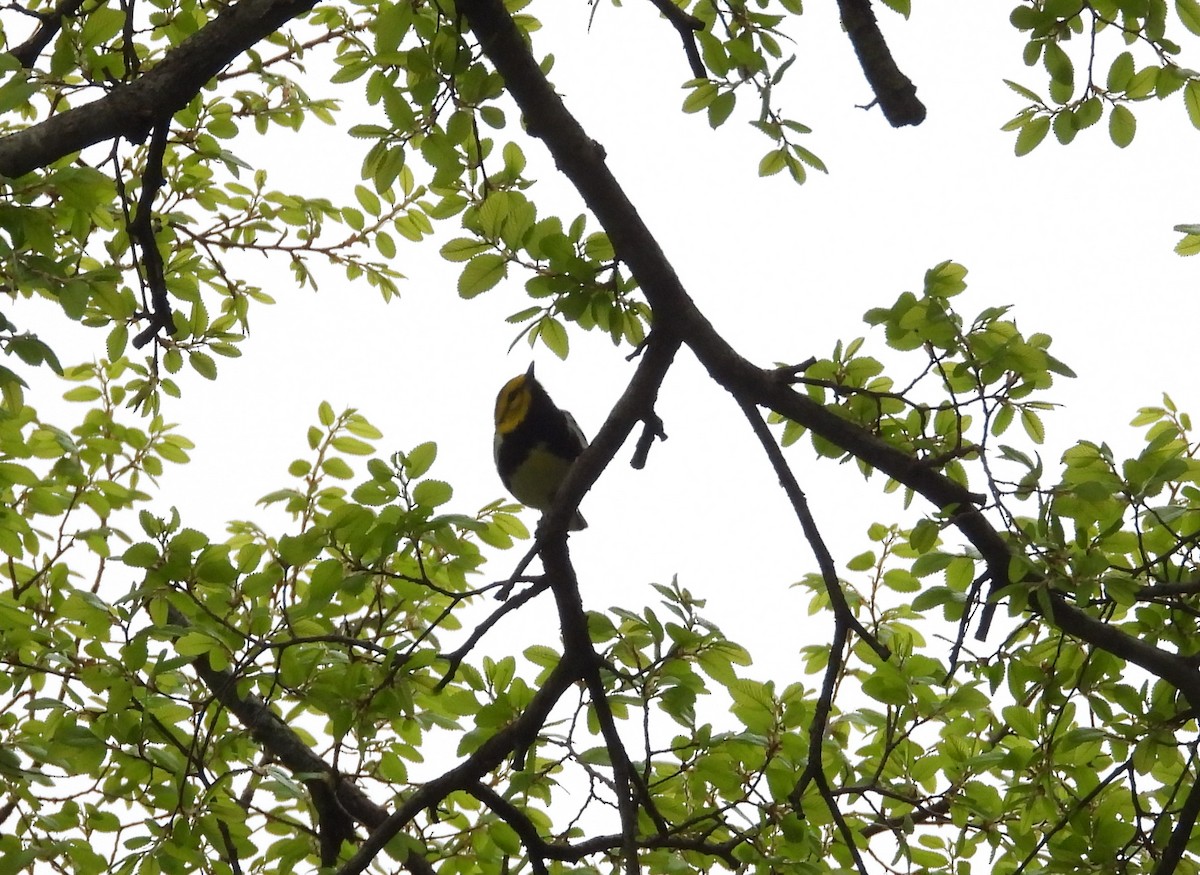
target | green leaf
x=1058, y=64
x=464, y=248
x=117, y=340
x=1191, y=99
x=1033, y=425
x=554, y=335
x=1025, y=92
x=343, y=443
x=1189, y=245
x=702, y=94
x=432, y=493
x=862, y=561
x=142, y=555
x=420, y=459
x=721, y=108
x=1031, y=134
x=1064, y=126
x=481, y=273
x=772, y=162
x=82, y=393
x=1189, y=13
x=924, y=536
x=203, y=364
x=1121, y=125
x=1120, y=72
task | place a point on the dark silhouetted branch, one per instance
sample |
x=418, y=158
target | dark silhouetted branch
x=894, y=92
x=50, y=23
x=141, y=232
x=687, y=25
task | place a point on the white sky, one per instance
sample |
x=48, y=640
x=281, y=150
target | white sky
x=1078, y=239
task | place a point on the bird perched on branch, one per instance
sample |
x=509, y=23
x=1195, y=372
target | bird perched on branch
x=535, y=444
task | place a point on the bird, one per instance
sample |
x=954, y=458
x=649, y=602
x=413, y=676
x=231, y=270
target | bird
x=535, y=444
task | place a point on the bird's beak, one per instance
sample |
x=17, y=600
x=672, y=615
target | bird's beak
x=529, y=373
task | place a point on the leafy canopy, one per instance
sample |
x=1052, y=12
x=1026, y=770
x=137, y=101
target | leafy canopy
x=319, y=691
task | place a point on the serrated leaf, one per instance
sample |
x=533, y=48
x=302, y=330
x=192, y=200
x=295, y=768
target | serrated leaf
x=1121, y=126
x=1120, y=72
x=1058, y=64
x=432, y=493
x=117, y=339
x=1033, y=426
x=772, y=162
x=721, y=108
x=1025, y=92
x=701, y=95
x=1189, y=245
x=1032, y=134
x=481, y=273
x=1191, y=99
x=554, y=335
x=203, y=364
x=1189, y=13
x=420, y=459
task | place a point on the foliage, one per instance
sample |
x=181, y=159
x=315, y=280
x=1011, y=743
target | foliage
x=282, y=696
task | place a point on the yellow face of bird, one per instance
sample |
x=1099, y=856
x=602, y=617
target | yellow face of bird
x=512, y=404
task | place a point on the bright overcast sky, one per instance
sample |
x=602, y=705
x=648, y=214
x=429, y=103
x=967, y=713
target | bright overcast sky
x=1078, y=239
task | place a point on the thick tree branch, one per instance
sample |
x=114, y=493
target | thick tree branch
x=282, y=742
x=131, y=110
x=894, y=92
x=638, y=397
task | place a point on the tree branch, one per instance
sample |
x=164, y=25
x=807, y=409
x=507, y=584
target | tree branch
x=282, y=742
x=1181, y=835
x=517, y=735
x=131, y=110
x=50, y=23
x=687, y=26
x=837, y=598
x=141, y=231
x=894, y=92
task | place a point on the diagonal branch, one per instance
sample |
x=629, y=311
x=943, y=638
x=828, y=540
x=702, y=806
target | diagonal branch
x=131, y=110
x=287, y=747
x=1182, y=833
x=687, y=26
x=276, y=737
x=894, y=92
x=837, y=598
x=50, y=23
x=517, y=735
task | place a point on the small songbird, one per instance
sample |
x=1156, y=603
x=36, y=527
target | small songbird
x=535, y=444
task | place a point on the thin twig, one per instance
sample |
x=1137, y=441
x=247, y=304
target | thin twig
x=841, y=608
x=456, y=656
